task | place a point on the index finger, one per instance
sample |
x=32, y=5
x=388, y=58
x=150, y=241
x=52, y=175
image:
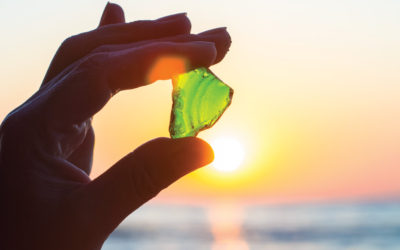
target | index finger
x=88, y=88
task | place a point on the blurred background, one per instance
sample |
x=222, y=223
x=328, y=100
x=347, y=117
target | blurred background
x=314, y=122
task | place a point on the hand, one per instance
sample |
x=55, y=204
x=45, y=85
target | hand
x=47, y=200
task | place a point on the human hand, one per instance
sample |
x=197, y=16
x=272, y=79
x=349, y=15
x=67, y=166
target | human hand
x=47, y=200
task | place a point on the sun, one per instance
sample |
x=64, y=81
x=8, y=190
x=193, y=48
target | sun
x=229, y=154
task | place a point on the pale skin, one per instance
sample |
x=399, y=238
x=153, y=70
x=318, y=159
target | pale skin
x=47, y=200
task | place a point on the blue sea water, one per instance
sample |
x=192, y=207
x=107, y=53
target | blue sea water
x=309, y=226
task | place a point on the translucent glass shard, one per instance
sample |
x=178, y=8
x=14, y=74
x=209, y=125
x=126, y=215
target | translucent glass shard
x=199, y=100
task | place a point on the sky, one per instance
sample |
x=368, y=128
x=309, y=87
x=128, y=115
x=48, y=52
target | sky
x=316, y=104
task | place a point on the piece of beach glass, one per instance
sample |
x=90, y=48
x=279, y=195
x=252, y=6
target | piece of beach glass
x=199, y=99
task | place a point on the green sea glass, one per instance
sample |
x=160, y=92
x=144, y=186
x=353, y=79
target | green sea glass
x=199, y=99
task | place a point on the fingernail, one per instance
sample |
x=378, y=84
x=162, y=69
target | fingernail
x=204, y=44
x=213, y=31
x=205, y=153
x=199, y=151
x=106, y=10
x=173, y=17
x=113, y=13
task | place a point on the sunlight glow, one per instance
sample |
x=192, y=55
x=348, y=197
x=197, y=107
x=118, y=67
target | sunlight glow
x=165, y=67
x=229, y=154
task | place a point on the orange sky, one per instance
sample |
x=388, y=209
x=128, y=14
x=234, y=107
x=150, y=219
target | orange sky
x=316, y=104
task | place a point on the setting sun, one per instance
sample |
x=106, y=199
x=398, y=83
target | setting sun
x=229, y=154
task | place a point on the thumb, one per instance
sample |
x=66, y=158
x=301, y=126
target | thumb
x=136, y=178
x=113, y=13
x=163, y=161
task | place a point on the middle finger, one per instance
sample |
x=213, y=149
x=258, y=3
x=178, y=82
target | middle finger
x=219, y=36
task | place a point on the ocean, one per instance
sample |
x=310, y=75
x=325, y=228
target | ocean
x=229, y=226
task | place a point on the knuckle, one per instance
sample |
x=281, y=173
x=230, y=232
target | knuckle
x=148, y=187
x=68, y=43
x=144, y=184
x=102, y=49
x=6, y=124
x=11, y=122
x=24, y=120
x=94, y=61
x=13, y=129
x=73, y=42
